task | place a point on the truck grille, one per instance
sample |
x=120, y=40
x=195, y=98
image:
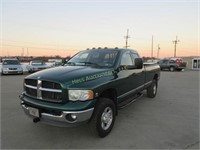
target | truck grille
x=12, y=68
x=43, y=90
x=31, y=82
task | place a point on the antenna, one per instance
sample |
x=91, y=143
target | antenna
x=127, y=37
x=175, y=42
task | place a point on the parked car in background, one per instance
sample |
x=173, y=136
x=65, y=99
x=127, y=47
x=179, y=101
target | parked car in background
x=55, y=62
x=11, y=66
x=172, y=64
x=37, y=65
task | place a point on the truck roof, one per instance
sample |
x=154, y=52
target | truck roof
x=116, y=48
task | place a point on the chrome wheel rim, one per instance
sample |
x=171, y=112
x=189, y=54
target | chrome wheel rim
x=106, y=118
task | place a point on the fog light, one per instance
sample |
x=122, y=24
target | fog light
x=71, y=117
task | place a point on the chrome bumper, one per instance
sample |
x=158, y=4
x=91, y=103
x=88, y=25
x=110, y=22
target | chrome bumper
x=81, y=117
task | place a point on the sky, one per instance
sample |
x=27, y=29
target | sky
x=64, y=27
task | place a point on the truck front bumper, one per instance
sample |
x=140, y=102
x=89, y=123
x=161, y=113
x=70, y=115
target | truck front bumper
x=65, y=119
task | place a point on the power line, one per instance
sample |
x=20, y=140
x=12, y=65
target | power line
x=35, y=47
x=26, y=42
x=175, y=42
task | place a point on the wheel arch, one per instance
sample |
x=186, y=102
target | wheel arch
x=111, y=94
x=156, y=77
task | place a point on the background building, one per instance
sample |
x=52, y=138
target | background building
x=193, y=62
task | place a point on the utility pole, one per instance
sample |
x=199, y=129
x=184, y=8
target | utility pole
x=127, y=37
x=8, y=53
x=175, y=42
x=152, y=48
x=22, y=52
x=158, y=51
x=27, y=52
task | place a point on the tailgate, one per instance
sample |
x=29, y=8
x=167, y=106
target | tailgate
x=183, y=64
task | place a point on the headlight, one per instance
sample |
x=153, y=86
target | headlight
x=81, y=95
x=5, y=69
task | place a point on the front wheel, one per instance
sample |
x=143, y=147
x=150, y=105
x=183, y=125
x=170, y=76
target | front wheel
x=103, y=118
x=152, y=90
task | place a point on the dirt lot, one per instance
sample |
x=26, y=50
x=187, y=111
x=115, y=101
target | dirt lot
x=170, y=121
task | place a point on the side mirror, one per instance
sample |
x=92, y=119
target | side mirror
x=139, y=63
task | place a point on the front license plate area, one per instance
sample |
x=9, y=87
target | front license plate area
x=34, y=112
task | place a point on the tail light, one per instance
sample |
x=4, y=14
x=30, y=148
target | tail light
x=178, y=61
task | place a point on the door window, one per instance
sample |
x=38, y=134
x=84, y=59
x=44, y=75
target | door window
x=126, y=59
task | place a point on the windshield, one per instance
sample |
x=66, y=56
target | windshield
x=11, y=62
x=37, y=63
x=101, y=58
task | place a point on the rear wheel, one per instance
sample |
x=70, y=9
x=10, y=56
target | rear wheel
x=103, y=118
x=152, y=90
x=171, y=68
x=179, y=69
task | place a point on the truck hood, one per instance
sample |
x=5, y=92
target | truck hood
x=64, y=74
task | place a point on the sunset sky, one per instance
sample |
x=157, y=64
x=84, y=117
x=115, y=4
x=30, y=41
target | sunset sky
x=64, y=27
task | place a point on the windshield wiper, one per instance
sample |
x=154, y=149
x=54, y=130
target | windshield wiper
x=90, y=63
x=71, y=63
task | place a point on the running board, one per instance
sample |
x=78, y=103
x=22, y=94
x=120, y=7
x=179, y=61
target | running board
x=131, y=101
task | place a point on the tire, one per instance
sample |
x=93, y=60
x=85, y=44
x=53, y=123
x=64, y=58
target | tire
x=152, y=90
x=171, y=69
x=103, y=117
x=179, y=69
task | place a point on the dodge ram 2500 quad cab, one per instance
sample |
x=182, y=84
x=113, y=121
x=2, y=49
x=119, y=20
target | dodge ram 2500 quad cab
x=90, y=87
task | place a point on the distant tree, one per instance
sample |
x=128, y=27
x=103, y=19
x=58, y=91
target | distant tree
x=57, y=56
x=68, y=57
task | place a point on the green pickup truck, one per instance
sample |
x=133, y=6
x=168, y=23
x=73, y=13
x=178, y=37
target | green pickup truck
x=91, y=87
